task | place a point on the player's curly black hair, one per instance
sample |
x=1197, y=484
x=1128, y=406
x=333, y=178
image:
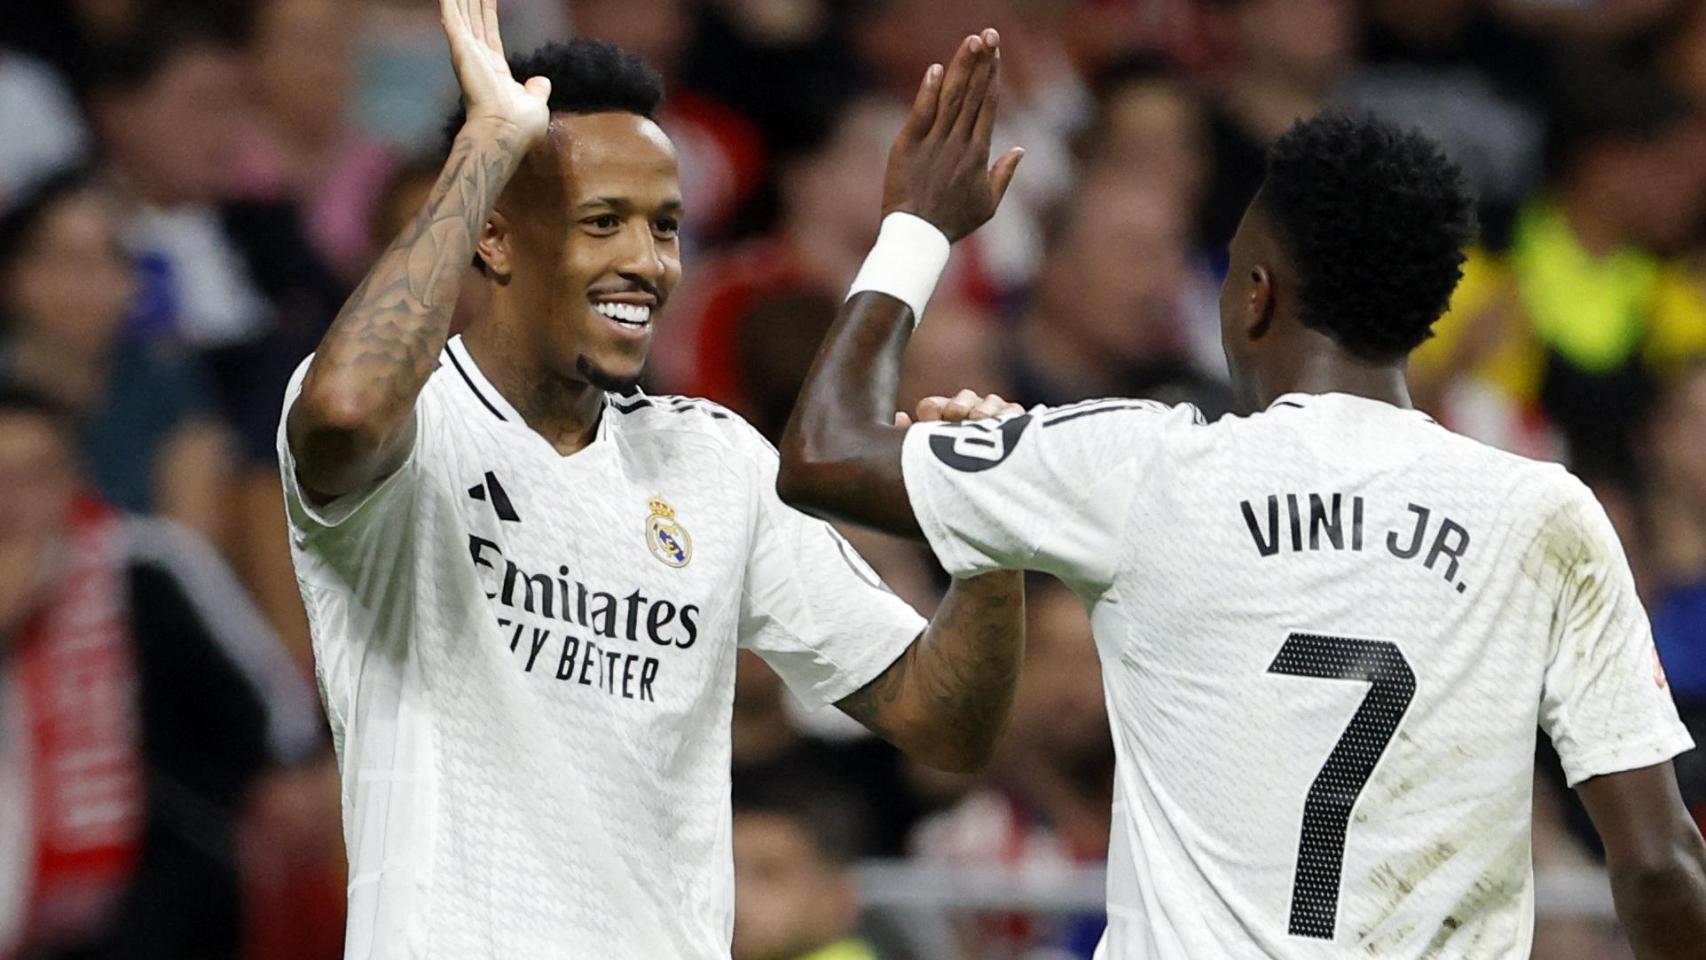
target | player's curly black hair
x=1375, y=219
x=587, y=76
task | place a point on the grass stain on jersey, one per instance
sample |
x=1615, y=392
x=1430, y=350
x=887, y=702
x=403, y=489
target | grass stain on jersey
x=1490, y=895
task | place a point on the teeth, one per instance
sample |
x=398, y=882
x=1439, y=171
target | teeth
x=631, y=313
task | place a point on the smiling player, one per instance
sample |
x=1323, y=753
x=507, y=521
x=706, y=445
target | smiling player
x=527, y=581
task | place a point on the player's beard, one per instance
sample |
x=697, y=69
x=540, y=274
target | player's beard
x=604, y=379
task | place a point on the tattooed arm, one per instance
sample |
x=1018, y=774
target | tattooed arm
x=947, y=699
x=354, y=420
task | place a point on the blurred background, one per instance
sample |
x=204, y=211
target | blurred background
x=189, y=188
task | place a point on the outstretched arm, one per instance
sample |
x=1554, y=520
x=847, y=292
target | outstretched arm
x=841, y=454
x=1656, y=858
x=352, y=423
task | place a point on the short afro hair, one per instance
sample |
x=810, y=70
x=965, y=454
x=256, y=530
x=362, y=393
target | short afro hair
x=1375, y=220
x=587, y=76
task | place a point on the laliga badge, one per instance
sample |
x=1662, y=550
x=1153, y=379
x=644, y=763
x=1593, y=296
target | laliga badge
x=669, y=541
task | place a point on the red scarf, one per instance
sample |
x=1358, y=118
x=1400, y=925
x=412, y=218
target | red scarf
x=84, y=734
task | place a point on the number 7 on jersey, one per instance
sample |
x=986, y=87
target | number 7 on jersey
x=1327, y=811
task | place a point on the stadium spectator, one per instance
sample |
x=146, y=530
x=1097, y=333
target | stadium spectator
x=1272, y=63
x=1611, y=312
x=167, y=106
x=1120, y=306
x=794, y=895
x=301, y=145
x=1150, y=124
x=140, y=698
x=236, y=284
x=723, y=156
x=146, y=421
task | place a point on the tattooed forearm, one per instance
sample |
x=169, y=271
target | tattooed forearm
x=360, y=391
x=947, y=699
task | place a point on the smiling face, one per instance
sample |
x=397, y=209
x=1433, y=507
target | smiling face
x=586, y=246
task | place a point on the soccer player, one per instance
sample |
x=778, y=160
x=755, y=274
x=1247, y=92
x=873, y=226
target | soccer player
x=1328, y=628
x=527, y=585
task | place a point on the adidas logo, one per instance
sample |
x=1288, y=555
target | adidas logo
x=500, y=500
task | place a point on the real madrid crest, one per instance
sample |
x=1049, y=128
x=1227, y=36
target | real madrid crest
x=668, y=539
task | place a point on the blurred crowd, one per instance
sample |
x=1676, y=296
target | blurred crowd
x=189, y=188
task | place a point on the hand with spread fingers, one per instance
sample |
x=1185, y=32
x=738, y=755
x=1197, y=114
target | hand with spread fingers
x=938, y=168
x=491, y=92
x=965, y=405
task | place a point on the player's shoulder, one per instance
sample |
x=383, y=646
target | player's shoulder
x=1541, y=496
x=1119, y=414
x=680, y=418
x=1500, y=463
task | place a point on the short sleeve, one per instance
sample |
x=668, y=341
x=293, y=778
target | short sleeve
x=1605, y=703
x=1047, y=490
x=812, y=607
x=372, y=506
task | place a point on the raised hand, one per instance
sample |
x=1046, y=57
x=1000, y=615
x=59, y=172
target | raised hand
x=965, y=405
x=490, y=91
x=353, y=422
x=938, y=168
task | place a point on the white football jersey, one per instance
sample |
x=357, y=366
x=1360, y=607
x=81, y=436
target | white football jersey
x=1328, y=633
x=528, y=663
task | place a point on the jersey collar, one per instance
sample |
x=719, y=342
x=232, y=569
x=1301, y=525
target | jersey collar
x=1304, y=401
x=461, y=362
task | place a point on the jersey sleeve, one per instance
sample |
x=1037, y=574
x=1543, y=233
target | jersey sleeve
x=1605, y=702
x=811, y=606
x=1047, y=490
x=368, y=508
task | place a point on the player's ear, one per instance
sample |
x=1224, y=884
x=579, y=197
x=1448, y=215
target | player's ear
x=1259, y=302
x=494, y=246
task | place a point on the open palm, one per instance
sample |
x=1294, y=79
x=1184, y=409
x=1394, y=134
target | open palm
x=488, y=88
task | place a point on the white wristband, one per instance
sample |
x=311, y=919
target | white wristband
x=905, y=262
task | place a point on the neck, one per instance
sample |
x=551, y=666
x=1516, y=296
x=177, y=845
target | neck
x=1320, y=366
x=564, y=411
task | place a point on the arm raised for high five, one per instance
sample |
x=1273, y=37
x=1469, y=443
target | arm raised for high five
x=841, y=453
x=352, y=423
